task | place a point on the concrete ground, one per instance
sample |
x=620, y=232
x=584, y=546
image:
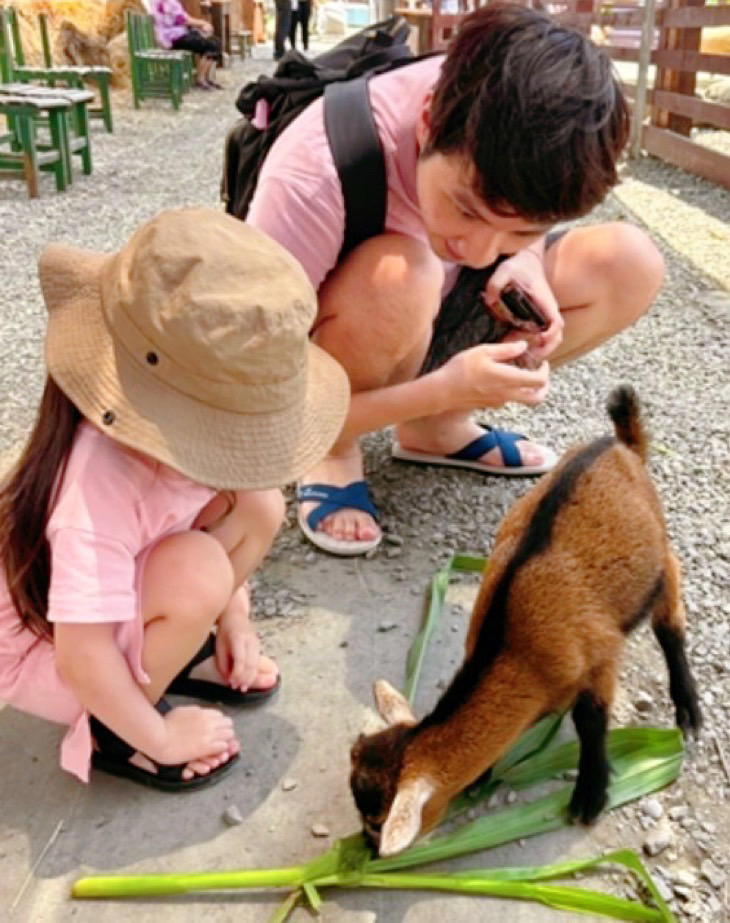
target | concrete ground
x=350, y=622
x=54, y=829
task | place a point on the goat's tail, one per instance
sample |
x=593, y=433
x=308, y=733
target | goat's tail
x=623, y=408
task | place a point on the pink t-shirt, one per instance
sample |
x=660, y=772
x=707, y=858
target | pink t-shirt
x=298, y=199
x=113, y=505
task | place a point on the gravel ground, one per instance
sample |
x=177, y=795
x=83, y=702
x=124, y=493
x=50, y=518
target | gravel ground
x=676, y=357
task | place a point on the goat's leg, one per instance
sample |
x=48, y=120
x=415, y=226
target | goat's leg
x=668, y=621
x=590, y=717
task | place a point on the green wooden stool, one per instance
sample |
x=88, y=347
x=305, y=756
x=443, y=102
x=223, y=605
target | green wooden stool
x=24, y=160
x=77, y=139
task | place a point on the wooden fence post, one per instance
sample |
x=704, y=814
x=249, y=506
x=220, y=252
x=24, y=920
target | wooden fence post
x=677, y=81
x=647, y=39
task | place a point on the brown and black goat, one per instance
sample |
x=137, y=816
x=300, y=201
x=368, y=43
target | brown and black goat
x=577, y=563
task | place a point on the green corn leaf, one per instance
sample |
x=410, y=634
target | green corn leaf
x=559, y=897
x=283, y=911
x=312, y=895
x=439, y=585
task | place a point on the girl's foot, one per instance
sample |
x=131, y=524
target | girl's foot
x=201, y=679
x=113, y=755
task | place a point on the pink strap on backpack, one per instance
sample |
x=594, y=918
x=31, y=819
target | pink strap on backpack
x=261, y=115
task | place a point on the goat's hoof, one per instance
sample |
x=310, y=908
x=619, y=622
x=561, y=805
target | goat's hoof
x=586, y=806
x=689, y=719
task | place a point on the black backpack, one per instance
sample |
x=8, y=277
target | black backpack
x=340, y=74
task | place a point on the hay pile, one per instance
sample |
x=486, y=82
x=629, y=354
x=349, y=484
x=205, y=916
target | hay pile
x=81, y=32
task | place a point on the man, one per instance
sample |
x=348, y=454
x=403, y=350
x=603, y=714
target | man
x=518, y=127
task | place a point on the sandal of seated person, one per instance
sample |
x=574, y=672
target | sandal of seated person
x=210, y=691
x=355, y=496
x=113, y=755
x=469, y=456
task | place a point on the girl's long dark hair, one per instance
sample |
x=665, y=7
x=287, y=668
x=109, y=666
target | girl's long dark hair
x=26, y=498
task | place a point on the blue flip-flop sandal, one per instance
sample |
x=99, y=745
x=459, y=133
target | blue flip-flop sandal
x=469, y=456
x=331, y=499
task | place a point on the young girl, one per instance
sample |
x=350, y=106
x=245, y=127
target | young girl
x=181, y=387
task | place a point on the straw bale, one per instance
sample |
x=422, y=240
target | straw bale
x=81, y=32
x=119, y=61
x=113, y=22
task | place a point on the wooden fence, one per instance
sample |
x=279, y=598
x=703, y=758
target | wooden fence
x=665, y=42
x=668, y=40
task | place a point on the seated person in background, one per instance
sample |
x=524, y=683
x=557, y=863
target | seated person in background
x=175, y=28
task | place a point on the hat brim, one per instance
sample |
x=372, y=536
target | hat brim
x=124, y=398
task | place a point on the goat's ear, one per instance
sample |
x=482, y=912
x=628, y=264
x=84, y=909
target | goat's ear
x=403, y=823
x=391, y=704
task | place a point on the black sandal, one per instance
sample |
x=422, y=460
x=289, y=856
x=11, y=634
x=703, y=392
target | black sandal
x=113, y=755
x=208, y=691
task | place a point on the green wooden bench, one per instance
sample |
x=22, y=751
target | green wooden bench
x=156, y=72
x=23, y=159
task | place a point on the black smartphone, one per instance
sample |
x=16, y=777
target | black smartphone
x=522, y=310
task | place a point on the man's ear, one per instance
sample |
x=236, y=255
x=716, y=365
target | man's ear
x=423, y=124
x=403, y=822
x=393, y=706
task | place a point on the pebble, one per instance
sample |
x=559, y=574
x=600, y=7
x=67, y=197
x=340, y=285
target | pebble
x=643, y=703
x=712, y=874
x=656, y=842
x=232, y=816
x=652, y=808
x=387, y=626
x=320, y=830
x=288, y=785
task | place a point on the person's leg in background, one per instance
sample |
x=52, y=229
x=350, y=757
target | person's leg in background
x=293, y=20
x=281, y=27
x=304, y=12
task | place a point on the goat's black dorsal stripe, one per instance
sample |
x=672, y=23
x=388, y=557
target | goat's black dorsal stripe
x=536, y=538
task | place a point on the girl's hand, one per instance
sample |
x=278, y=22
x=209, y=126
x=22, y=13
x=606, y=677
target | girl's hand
x=485, y=376
x=238, y=649
x=193, y=733
x=527, y=270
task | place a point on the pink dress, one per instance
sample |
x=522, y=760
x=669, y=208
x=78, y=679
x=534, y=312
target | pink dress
x=298, y=199
x=114, y=504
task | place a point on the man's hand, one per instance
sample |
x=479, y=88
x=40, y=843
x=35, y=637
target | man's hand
x=485, y=376
x=526, y=269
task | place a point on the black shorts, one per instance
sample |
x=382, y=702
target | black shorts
x=198, y=43
x=463, y=319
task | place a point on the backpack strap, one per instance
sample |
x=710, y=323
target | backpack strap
x=358, y=156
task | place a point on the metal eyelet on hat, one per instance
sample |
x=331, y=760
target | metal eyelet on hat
x=152, y=358
x=108, y=417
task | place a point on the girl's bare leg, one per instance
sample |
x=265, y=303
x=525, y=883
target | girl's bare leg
x=246, y=532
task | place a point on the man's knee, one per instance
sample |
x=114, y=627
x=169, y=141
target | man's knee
x=630, y=264
x=383, y=298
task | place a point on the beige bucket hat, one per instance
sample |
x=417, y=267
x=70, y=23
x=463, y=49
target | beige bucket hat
x=191, y=345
